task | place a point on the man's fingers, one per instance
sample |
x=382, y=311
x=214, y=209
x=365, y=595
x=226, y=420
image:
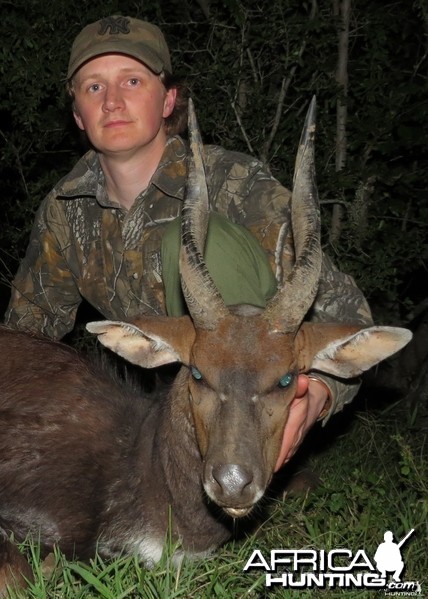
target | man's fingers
x=293, y=429
x=302, y=385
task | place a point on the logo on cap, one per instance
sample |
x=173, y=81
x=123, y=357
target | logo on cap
x=114, y=25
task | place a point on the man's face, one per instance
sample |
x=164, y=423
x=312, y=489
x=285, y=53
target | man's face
x=121, y=105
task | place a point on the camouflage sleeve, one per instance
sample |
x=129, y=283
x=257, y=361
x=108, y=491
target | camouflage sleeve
x=339, y=299
x=44, y=296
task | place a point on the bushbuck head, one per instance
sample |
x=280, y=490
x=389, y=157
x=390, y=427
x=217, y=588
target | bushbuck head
x=240, y=364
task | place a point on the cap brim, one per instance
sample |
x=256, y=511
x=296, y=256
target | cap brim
x=140, y=52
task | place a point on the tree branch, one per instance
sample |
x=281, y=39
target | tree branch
x=286, y=82
x=342, y=9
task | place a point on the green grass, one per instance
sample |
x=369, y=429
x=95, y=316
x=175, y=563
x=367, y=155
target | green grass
x=374, y=478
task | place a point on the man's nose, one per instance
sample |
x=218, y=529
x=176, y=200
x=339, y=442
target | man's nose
x=113, y=99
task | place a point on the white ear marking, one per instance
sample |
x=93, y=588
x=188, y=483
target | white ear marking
x=350, y=356
x=135, y=345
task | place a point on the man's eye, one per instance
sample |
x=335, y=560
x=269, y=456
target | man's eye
x=94, y=87
x=134, y=81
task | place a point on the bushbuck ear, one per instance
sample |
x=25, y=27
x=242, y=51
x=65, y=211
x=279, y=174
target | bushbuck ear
x=351, y=355
x=147, y=342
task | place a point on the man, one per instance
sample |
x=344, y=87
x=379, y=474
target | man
x=98, y=234
x=388, y=557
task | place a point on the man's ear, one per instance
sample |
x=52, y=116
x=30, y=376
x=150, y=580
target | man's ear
x=77, y=118
x=169, y=102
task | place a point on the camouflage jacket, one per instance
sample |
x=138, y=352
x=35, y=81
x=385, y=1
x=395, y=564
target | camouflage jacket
x=84, y=246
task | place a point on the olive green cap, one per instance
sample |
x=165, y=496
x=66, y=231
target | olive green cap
x=124, y=35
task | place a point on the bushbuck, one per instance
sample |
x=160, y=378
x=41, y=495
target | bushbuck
x=86, y=464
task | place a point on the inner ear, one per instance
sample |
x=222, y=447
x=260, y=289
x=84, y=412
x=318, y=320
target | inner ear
x=352, y=355
x=147, y=342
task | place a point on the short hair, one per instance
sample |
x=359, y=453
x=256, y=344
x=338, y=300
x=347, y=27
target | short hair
x=176, y=122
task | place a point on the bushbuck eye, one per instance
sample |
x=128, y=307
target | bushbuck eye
x=285, y=380
x=195, y=373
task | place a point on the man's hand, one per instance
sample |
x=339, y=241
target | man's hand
x=309, y=402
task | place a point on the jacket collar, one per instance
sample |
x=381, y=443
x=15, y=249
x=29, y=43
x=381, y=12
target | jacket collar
x=86, y=179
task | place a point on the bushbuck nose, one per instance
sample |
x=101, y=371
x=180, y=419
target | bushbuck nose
x=232, y=479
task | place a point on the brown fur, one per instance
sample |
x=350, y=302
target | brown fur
x=82, y=460
x=15, y=571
